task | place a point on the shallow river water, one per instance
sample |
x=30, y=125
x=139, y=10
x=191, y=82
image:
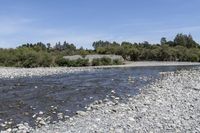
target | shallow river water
x=22, y=98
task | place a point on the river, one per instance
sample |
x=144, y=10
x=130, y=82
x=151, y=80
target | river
x=22, y=98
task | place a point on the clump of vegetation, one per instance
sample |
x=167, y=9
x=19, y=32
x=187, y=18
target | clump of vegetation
x=82, y=62
x=182, y=48
x=101, y=61
x=25, y=57
x=96, y=62
x=117, y=62
x=106, y=61
x=60, y=61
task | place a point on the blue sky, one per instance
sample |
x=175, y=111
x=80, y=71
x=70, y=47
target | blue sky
x=84, y=21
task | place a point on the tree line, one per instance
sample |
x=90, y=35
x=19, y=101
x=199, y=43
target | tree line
x=182, y=48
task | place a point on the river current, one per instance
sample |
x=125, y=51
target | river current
x=22, y=98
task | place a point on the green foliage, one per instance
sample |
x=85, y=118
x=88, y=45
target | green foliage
x=101, y=61
x=184, y=40
x=24, y=57
x=193, y=58
x=82, y=62
x=163, y=41
x=106, y=61
x=96, y=62
x=60, y=61
x=117, y=62
x=182, y=48
x=30, y=59
x=133, y=53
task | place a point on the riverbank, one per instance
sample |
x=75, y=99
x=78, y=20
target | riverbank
x=170, y=104
x=8, y=72
x=150, y=63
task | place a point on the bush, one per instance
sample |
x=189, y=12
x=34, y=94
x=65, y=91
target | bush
x=60, y=61
x=117, y=62
x=106, y=61
x=45, y=60
x=101, y=61
x=96, y=62
x=193, y=58
x=82, y=62
x=30, y=60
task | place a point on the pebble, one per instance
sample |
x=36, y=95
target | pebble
x=9, y=130
x=119, y=130
x=150, y=111
x=34, y=116
x=81, y=113
x=60, y=116
x=41, y=113
x=8, y=72
x=113, y=91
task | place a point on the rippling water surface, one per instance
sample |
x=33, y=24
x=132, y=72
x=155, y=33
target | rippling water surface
x=21, y=98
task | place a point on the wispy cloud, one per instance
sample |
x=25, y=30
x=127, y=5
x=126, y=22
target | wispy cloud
x=15, y=31
x=185, y=29
x=13, y=25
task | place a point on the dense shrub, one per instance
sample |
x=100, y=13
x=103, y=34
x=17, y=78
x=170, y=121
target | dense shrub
x=182, y=48
x=117, y=62
x=45, y=60
x=193, y=58
x=106, y=61
x=25, y=57
x=72, y=63
x=60, y=61
x=101, y=61
x=96, y=62
x=30, y=60
x=82, y=62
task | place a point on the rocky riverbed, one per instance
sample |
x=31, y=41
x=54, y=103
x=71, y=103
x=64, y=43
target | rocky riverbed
x=170, y=104
x=10, y=73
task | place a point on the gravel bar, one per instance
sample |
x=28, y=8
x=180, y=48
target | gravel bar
x=10, y=72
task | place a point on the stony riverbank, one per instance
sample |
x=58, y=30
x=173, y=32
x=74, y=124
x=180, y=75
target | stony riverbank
x=11, y=73
x=8, y=72
x=171, y=104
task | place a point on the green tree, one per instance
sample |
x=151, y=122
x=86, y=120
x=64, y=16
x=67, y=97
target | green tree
x=163, y=41
x=180, y=40
x=134, y=54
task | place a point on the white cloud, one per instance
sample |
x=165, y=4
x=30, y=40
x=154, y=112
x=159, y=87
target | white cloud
x=15, y=31
x=13, y=25
x=186, y=29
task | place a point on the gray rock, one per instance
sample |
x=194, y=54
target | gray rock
x=81, y=113
x=167, y=105
x=74, y=57
x=119, y=130
x=112, y=57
